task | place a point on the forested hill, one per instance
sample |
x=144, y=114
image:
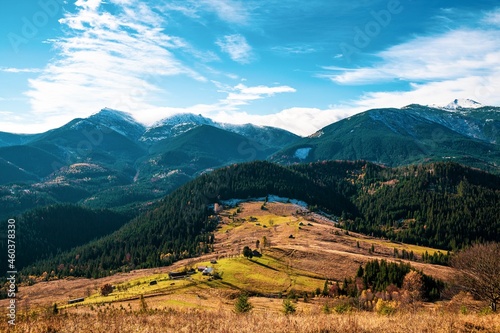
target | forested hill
x=47, y=231
x=443, y=205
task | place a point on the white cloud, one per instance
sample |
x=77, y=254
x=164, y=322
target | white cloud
x=228, y=10
x=457, y=64
x=485, y=90
x=19, y=70
x=227, y=109
x=295, y=49
x=113, y=60
x=448, y=56
x=21, y=123
x=493, y=17
x=241, y=94
x=299, y=120
x=237, y=47
x=88, y=4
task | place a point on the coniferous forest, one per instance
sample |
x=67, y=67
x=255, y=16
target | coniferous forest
x=443, y=205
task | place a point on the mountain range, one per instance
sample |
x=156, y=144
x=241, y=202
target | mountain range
x=413, y=134
x=109, y=160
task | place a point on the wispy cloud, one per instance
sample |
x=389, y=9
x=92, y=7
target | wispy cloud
x=493, y=17
x=106, y=59
x=20, y=70
x=242, y=95
x=295, y=49
x=302, y=121
x=228, y=109
x=237, y=47
x=231, y=11
x=437, y=68
x=447, y=56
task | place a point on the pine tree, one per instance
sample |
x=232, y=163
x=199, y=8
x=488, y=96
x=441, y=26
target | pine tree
x=242, y=304
x=143, y=304
x=288, y=307
x=325, y=289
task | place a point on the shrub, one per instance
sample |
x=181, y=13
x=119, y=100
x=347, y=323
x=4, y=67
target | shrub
x=242, y=304
x=385, y=308
x=342, y=308
x=326, y=308
x=343, y=304
x=288, y=307
x=106, y=289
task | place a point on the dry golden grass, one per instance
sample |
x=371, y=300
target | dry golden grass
x=192, y=320
x=317, y=251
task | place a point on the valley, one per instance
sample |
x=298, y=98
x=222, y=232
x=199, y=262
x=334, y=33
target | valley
x=148, y=300
x=318, y=251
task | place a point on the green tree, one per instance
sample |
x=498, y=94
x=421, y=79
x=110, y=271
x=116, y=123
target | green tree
x=247, y=252
x=325, y=288
x=242, y=304
x=288, y=307
x=360, y=271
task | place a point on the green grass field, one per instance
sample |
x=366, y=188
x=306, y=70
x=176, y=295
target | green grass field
x=264, y=275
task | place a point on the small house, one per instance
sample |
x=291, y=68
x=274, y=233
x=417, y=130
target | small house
x=208, y=271
x=201, y=268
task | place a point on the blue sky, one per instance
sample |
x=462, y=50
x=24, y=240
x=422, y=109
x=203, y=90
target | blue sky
x=298, y=65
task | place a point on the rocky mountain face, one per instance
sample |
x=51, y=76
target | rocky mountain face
x=413, y=134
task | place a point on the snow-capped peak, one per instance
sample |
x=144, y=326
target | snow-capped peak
x=119, y=121
x=113, y=115
x=463, y=103
x=183, y=118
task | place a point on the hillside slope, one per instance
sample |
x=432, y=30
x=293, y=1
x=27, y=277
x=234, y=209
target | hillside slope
x=413, y=134
x=442, y=205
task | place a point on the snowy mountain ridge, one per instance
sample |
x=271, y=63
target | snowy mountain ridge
x=459, y=104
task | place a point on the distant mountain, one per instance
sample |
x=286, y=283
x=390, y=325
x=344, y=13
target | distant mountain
x=413, y=134
x=181, y=123
x=264, y=135
x=202, y=148
x=463, y=104
x=24, y=163
x=111, y=160
x=10, y=139
x=88, y=141
x=173, y=126
x=120, y=122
